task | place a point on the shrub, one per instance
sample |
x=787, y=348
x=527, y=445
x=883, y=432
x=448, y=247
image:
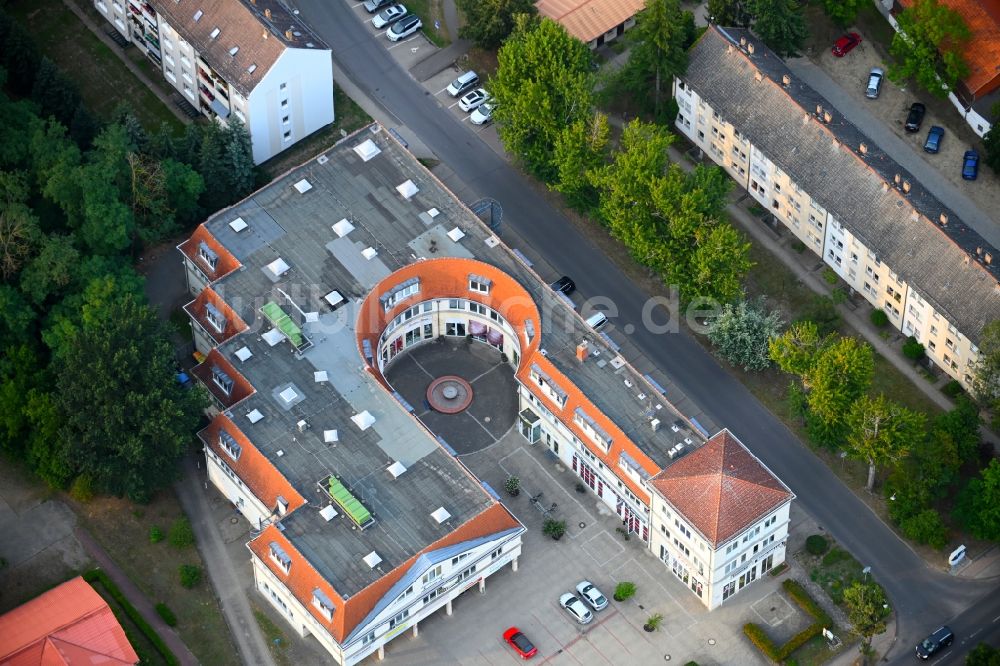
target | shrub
x=168, y=615
x=155, y=534
x=181, y=535
x=554, y=528
x=798, y=246
x=190, y=575
x=512, y=485
x=926, y=527
x=654, y=621
x=830, y=276
x=912, y=349
x=835, y=556
x=816, y=544
x=879, y=318
x=952, y=389
x=624, y=590
x=761, y=640
x=82, y=489
x=801, y=596
x=838, y=296
x=800, y=639
x=822, y=312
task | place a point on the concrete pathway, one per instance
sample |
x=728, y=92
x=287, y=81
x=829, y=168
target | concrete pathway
x=225, y=579
x=451, y=18
x=135, y=597
x=440, y=60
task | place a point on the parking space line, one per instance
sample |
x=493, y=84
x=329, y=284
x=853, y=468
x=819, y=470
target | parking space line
x=454, y=104
x=441, y=91
x=405, y=41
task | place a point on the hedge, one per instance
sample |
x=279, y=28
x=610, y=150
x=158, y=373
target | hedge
x=797, y=592
x=761, y=640
x=777, y=653
x=96, y=575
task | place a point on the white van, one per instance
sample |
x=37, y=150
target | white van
x=463, y=84
x=597, y=320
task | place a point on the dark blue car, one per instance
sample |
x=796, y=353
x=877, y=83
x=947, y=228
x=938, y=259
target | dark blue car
x=933, y=142
x=970, y=165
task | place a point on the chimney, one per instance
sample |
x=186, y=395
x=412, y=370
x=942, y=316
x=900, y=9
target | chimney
x=655, y=425
x=582, y=351
x=914, y=215
x=827, y=117
x=885, y=187
x=805, y=118
x=819, y=109
x=943, y=219
x=979, y=251
x=758, y=76
x=267, y=13
x=786, y=80
x=988, y=259
x=253, y=2
x=863, y=149
x=750, y=49
x=906, y=187
x=263, y=35
x=289, y=35
x=896, y=179
x=743, y=41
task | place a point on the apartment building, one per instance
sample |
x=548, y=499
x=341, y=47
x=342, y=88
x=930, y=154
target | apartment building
x=846, y=200
x=253, y=61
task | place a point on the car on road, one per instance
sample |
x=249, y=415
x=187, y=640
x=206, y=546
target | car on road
x=575, y=607
x=517, y=640
x=389, y=15
x=970, y=165
x=404, y=27
x=463, y=84
x=934, y=136
x=875, y=78
x=471, y=100
x=372, y=6
x=564, y=284
x=846, y=44
x=934, y=643
x=915, y=117
x=589, y=593
x=483, y=114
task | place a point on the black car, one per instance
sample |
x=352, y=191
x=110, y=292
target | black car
x=915, y=117
x=936, y=642
x=564, y=284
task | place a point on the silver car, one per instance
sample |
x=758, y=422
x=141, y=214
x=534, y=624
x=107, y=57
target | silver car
x=575, y=607
x=389, y=15
x=591, y=595
x=875, y=78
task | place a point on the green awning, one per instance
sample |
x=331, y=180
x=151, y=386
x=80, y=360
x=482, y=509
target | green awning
x=283, y=323
x=351, y=506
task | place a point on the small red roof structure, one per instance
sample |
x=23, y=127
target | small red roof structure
x=66, y=626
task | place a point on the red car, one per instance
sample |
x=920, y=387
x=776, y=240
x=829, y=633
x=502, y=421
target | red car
x=520, y=643
x=844, y=45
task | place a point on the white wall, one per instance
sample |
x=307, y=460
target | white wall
x=235, y=491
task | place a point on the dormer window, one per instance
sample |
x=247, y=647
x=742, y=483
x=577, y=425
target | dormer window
x=549, y=388
x=233, y=50
x=197, y=15
x=480, y=284
x=222, y=380
x=322, y=603
x=229, y=445
x=282, y=505
x=208, y=255
x=214, y=33
x=280, y=557
x=214, y=317
x=592, y=429
x=401, y=291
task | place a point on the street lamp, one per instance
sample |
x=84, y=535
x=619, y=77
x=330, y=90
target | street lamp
x=866, y=571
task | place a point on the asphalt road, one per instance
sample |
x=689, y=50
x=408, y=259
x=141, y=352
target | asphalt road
x=921, y=596
x=979, y=624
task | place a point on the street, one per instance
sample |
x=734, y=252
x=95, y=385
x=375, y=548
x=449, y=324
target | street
x=922, y=597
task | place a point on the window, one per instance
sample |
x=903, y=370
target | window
x=322, y=603
x=284, y=121
x=229, y=445
x=282, y=86
x=430, y=596
x=777, y=187
x=432, y=575
x=478, y=308
x=681, y=547
x=931, y=345
x=684, y=530
x=284, y=103
x=466, y=574
x=399, y=293
x=280, y=557
x=399, y=619
x=731, y=547
x=287, y=134
x=771, y=521
x=208, y=255
x=496, y=553
x=456, y=560
x=368, y=638
x=214, y=317
x=222, y=380
x=480, y=284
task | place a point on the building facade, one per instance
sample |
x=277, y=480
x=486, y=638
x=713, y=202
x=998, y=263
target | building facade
x=843, y=198
x=254, y=62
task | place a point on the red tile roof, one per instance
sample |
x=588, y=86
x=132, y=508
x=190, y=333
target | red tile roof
x=70, y=624
x=721, y=488
x=589, y=19
x=982, y=53
x=226, y=264
x=242, y=388
x=196, y=310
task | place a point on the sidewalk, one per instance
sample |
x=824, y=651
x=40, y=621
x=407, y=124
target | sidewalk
x=135, y=597
x=440, y=60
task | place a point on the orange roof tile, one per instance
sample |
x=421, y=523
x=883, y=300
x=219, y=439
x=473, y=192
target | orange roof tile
x=721, y=488
x=302, y=578
x=241, y=386
x=254, y=469
x=226, y=264
x=982, y=53
x=589, y=19
x=197, y=308
x=70, y=624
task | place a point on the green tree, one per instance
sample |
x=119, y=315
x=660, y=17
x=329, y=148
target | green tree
x=842, y=12
x=986, y=373
x=718, y=266
x=926, y=527
x=779, y=23
x=241, y=173
x=18, y=226
x=489, y=22
x=210, y=163
x=978, y=504
x=20, y=59
x=83, y=127
x=163, y=144
x=880, y=432
x=983, y=655
x=580, y=148
x=125, y=421
x=543, y=84
x=867, y=610
x=658, y=52
x=928, y=47
x=17, y=317
x=51, y=272
x=55, y=94
x=961, y=425
x=840, y=377
x=742, y=333
x=729, y=13
x=991, y=141
x=795, y=351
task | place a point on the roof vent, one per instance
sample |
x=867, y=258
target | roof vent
x=750, y=48
x=302, y=425
x=758, y=76
x=655, y=424
x=233, y=50
x=288, y=34
x=440, y=515
x=906, y=186
x=396, y=469
x=303, y=186
x=243, y=353
x=369, y=253
x=238, y=225
x=255, y=416
x=328, y=512
x=943, y=219
x=827, y=117
x=267, y=15
x=215, y=33
x=407, y=189
x=343, y=228
x=331, y=436
x=372, y=559
x=786, y=80
x=251, y=68
x=863, y=149
x=278, y=267
x=322, y=159
x=198, y=14
x=364, y=420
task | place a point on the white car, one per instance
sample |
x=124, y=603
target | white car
x=404, y=27
x=575, y=607
x=591, y=595
x=388, y=15
x=483, y=114
x=472, y=100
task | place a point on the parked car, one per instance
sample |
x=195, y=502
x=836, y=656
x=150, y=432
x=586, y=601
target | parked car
x=372, y=6
x=970, y=165
x=934, y=136
x=575, y=607
x=471, y=100
x=597, y=320
x=846, y=44
x=404, y=27
x=591, y=595
x=564, y=284
x=389, y=15
x=874, y=83
x=522, y=646
x=463, y=84
x=934, y=643
x=915, y=116
x=483, y=114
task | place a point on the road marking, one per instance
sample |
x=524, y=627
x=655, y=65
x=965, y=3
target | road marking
x=454, y=104
x=360, y=4
x=405, y=41
x=441, y=91
x=996, y=618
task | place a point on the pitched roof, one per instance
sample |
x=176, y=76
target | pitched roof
x=70, y=624
x=226, y=263
x=205, y=371
x=261, y=31
x=589, y=19
x=721, y=488
x=982, y=52
x=199, y=309
x=940, y=261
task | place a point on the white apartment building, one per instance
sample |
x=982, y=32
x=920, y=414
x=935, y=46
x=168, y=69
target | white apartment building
x=888, y=238
x=252, y=61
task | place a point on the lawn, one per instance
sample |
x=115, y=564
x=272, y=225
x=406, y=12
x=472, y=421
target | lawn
x=104, y=81
x=430, y=11
x=277, y=642
x=122, y=528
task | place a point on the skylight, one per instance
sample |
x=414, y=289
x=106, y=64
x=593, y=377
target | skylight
x=238, y=225
x=303, y=186
x=364, y=420
x=328, y=512
x=407, y=189
x=367, y=150
x=214, y=33
x=330, y=436
x=278, y=267
x=372, y=559
x=396, y=469
x=255, y=416
x=233, y=50
x=251, y=68
x=343, y=228
x=198, y=14
x=440, y=515
x=243, y=353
